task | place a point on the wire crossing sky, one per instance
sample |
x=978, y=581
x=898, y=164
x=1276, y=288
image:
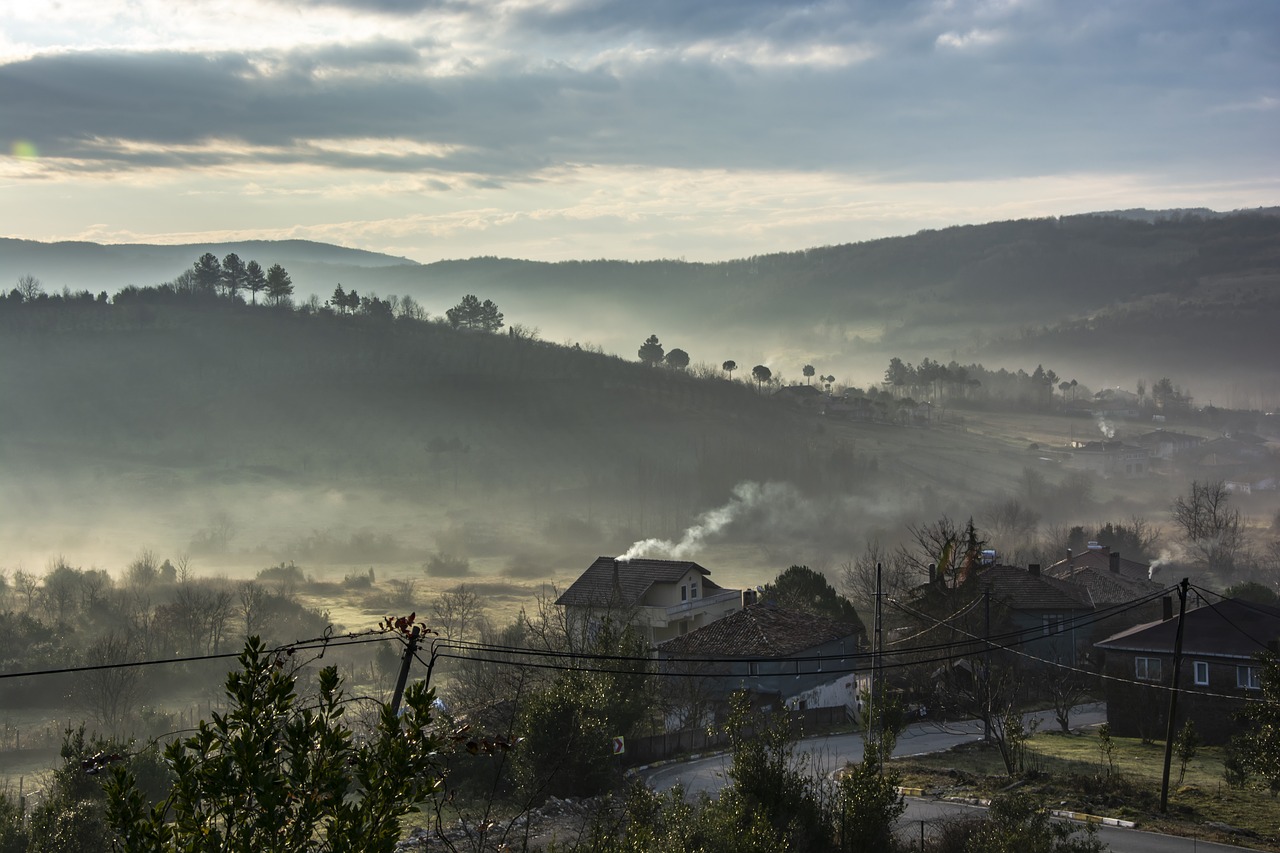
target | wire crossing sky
x=555, y=129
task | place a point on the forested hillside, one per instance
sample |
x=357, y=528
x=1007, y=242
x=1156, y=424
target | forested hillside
x=1111, y=298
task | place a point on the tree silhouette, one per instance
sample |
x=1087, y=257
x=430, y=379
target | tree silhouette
x=808, y=372
x=233, y=274
x=651, y=351
x=729, y=367
x=677, y=358
x=762, y=375
x=29, y=288
x=254, y=279
x=339, y=298
x=279, y=284
x=208, y=273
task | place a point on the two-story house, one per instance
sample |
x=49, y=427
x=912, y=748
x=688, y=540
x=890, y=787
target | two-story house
x=1219, y=671
x=666, y=598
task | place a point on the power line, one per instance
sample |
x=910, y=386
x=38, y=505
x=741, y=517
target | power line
x=301, y=645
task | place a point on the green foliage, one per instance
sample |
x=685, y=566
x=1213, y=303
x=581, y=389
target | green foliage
x=768, y=779
x=277, y=774
x=802, y=588
x=867, y=806
x=649, y=822
x=1107, y=749
x=72, y=816
x=1185, y=746
x=1019, y=824
x=566, y=728
x=1254, y=592
x=13, y=834
x=1256, y=752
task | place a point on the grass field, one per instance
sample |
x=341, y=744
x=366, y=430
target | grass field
x=1070, y=772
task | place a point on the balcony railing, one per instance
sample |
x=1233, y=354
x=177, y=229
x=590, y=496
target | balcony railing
x=686, y=607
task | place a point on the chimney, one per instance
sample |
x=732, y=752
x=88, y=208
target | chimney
x=1033, y=569
x=748, y=598
x=1166, y=608
x=1114, y=557
x=933, y=573
x=1070, y=560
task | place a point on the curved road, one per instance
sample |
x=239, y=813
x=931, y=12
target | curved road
x=829, y=753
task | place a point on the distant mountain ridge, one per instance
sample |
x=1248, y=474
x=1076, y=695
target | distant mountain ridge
x=98, y=266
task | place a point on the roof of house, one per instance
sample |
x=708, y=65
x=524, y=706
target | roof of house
x=1015, y=588
x=1021, y=590
x=1098, y=559
x=612, y=581
x=1105, y=586
x=1230, y=628
x=762, y=630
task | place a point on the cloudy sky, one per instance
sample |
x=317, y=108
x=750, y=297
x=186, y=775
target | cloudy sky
x=554, y=129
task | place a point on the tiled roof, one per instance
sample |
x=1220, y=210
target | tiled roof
x=1230, y=628
x=1099, y=559
x=1105, y=586
x=595, y=586
x=762, y=630
x=1021, y=590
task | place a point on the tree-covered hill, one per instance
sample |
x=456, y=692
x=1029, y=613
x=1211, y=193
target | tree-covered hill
x=1112, y=298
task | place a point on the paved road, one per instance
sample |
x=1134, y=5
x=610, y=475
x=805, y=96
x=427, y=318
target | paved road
x=828, y=753
x=834, y=751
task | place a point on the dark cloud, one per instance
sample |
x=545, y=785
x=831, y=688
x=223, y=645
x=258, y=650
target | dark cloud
x=1040, y=88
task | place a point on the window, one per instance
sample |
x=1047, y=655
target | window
x=1146, y=669
x=1202, y=673
x=693, y=590
x=684, y=593
x=1052, y=624
x=1248, y=678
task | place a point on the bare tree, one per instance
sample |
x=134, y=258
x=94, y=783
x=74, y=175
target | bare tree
x=1209, y=525
x=858, y=576
x=945, y=549
x=29, y=288
x=253, y=607
x=458, y=610
x=27, y=586
x=109, y=694
x=1009, y=519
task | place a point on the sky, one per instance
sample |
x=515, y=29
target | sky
x=632, y=129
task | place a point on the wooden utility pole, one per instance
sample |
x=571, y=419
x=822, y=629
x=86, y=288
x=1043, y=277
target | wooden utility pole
x=410, y=648
x=1173, y=696
x=986, y=670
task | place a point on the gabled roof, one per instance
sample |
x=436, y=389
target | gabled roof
x=631, y=578
x=1021, y=590
x=761, y=631
x=1231, y=628
x=1105, y=586
x=1015, y=588
x=1098, y=559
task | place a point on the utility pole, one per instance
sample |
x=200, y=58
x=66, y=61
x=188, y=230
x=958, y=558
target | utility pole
x=1173, y=695
x=986, y=670
x=877, y=674
x=410, y=648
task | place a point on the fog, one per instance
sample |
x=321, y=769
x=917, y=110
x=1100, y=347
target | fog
x=181, y=469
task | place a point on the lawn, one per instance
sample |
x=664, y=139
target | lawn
x=1070, y=772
